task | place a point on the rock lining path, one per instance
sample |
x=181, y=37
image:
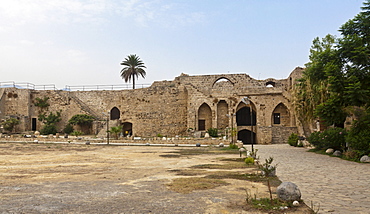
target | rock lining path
x=337, y=185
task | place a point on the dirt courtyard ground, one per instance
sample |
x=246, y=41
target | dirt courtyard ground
x=78, y=178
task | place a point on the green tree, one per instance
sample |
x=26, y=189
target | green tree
x=81, y=119
x=134, y=68
x=338, y=74
x=50, y=122
x=116, y=130
x=10, y=124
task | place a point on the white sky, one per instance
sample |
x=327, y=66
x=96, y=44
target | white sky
x=82, y=42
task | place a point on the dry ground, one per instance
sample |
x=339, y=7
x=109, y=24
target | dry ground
x=72, y=178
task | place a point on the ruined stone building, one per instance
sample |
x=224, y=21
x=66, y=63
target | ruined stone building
x=259, y=110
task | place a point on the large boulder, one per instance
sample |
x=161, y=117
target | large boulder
x=288, y=191
x=365, y=159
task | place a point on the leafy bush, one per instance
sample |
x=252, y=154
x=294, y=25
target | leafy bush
x=249, y=160
x=9, y=124
x=233, y=146
x=330, y=138
x=359, y=136
x=293, y=140
x=68, y=129
x=81, y=119
x=48, y=129
x=77, y=133
x=213, y=132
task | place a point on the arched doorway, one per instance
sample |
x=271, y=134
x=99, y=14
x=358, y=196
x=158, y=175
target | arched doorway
x=204, y=117
x=246, y=136
x=115, y=114
x=127, y=129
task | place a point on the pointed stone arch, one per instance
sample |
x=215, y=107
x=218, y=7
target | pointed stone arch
x=222, y=82
x=204, y=117
x=280, y=116
x=115, y=113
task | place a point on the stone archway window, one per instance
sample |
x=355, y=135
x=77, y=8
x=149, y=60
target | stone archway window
x=115, y=113
x=280, y=116
x=223, y=82
x=270, y=84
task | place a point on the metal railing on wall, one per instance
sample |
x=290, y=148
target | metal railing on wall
x=25, y=85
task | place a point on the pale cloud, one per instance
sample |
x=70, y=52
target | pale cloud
x=26, y=42
x=143, y=12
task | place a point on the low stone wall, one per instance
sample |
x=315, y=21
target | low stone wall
x=46, y=139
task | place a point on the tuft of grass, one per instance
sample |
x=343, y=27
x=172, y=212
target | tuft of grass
x=265, y=204
x=188, y=185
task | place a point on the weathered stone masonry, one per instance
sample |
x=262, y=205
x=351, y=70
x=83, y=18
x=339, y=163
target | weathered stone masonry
x=171, y=108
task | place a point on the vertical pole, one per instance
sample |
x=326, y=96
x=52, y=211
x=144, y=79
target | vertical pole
x=108, y=129
x=251, y=126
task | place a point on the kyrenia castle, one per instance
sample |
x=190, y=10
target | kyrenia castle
x=257, y=110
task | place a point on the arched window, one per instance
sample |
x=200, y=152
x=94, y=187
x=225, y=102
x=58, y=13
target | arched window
x=115, y=114
x=222, y=83
x=270, y=84
x=280, y=116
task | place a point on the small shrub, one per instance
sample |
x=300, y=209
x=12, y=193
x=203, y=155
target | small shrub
x=249, y=160
x=233, y=146
x=68, y=129
x=330, y=138
x=77, y=133
x=10, y=124
x=48, y=129
x=352, y=155
x=159, y=135
x=293, y=140
x=213, y=132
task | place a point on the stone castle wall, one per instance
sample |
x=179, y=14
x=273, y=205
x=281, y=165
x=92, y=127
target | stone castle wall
x=169, y=108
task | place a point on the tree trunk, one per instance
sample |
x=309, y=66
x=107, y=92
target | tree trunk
x=133, y=81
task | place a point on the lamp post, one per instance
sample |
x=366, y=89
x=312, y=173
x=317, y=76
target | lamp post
x=247, y=101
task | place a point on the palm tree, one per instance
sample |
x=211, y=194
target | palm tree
x=134, y=68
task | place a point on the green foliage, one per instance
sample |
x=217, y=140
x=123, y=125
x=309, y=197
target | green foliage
x=77, y=133
x=267, y=168
x=358, y=137
x=213, y=132
x=249, y=160
x=50, y=122
x=81, y=119
x=159, y=135
x=10, y=124
x=293, y=140
x=68, y=129
x=134, y=68
x=51, y=118
x=331, y=138
x=233, y=146
x=48, y=129
x=42, y=102
x=116, y=130
x=337, y=75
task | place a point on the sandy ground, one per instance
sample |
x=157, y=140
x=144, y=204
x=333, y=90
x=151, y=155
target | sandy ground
x=71, y=178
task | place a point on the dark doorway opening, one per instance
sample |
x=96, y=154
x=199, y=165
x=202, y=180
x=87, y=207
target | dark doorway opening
x=33, y=124
x=244, y=117
x=127, y=129
x=246, y=136
x=202, y=125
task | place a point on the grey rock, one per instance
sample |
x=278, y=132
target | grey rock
x=329, y=151
x=288, y=191
x=365, y=159
x=337, y=153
